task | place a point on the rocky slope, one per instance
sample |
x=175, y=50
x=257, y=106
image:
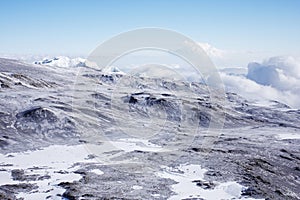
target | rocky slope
x=142, y=136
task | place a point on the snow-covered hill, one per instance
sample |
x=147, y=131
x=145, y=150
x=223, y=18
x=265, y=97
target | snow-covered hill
x=68, y=63
x=91, y=135
x=62, y=61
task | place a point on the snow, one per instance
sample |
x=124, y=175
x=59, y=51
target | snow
x=277, y=78
x=62, y=62
x=5, y=178
x=137, y=187
x=112, y=70
x=47, y=161
x=67, y=63
x=185, y=188
x=155, y=195
x=288, y=136
x=97, y=171
x=132, y=144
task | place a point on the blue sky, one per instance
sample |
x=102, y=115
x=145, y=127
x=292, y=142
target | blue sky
x=269, y=27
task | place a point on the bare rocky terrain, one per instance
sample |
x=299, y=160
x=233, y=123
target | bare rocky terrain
x=143, y=138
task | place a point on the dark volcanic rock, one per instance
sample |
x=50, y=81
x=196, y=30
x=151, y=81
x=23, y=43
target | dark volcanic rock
x=12, y=189
x=19, y=175
x=44, y=121
x=204, y=184
x=37, y=114
x=6, y=195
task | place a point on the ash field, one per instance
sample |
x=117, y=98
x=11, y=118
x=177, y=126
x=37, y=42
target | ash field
x=79, y=133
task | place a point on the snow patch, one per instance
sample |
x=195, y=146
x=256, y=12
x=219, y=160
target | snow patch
x=137, y=187
x=56, y=161
x=62, y=62
x=288, y=136
x=97, y=171
x=112, y=70
x=132, y=144
x=185, y=174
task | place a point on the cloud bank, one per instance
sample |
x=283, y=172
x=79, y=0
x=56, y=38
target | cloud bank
x=277, y=78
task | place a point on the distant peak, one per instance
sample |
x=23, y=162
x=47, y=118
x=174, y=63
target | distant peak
x=62, y=61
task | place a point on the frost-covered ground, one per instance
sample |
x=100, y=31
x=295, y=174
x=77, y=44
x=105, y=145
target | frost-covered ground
x=46, y=168
x=76, y=133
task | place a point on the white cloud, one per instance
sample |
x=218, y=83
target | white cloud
x=282, y=73
x=212, y=51
x=277, y=78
